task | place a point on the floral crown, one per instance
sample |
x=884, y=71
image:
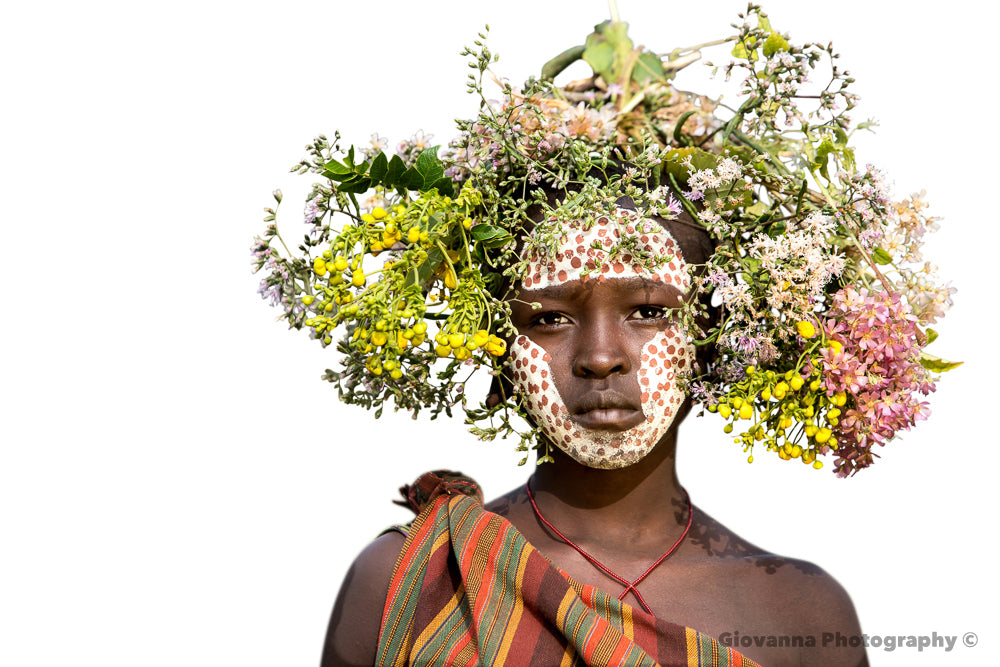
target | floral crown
x=821, y=294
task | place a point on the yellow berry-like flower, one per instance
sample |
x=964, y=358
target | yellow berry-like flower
x=481, y=337
x=368, y=217
x=378, y=213
x=443, y=350
x=396, y=374
x=496, y=346
x=839, y=399
x=358, y=278
x=340, y=263
x=401, y=340
x=817, y=464
x=462, y=353
x=467, y=223
x=379, y=338
x=805, y=329
x=456, y=340
x=450, y=279
x=823, y=435
x=746, y=411
x=725, y=411
x=413, y=236
x=319, y=266
x=307, y=299
x=796, y=383
x=835, y=346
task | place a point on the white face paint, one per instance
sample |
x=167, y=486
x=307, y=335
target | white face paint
x=662, y=357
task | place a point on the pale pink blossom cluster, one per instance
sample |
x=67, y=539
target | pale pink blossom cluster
x=907, y=226
x=928, y=299
x=875, y=360
x=539, y=127
x=799, y=264
x=725, y=173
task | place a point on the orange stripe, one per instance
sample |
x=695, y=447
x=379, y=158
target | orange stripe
x=692, y=647
x=515, y=616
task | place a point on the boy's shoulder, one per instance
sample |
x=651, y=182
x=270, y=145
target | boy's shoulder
x=352, y=636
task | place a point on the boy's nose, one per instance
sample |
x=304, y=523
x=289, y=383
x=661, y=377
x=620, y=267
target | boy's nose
x=601, y=352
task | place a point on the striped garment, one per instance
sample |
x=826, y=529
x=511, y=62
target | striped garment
x=468, y=589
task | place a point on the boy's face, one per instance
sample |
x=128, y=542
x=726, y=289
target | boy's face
x=598, y=362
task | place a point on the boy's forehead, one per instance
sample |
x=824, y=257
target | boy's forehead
x=583, y=254
x=625, y=287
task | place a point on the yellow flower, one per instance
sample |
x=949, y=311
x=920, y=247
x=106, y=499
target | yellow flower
x=378, y=213
x=806, y=329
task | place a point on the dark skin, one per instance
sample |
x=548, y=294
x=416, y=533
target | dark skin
x=715, y=582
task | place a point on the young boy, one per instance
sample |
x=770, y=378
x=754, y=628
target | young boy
x=601, y=558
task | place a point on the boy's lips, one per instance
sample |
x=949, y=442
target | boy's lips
x=607, y=411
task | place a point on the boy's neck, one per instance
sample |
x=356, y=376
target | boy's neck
x=644, y=499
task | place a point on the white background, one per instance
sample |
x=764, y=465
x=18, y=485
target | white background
x=177, y=486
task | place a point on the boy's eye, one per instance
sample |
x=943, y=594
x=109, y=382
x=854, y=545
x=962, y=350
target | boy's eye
x=648, y=313
x=551, y=319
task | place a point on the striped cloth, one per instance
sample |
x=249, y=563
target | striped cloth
x=468, y=589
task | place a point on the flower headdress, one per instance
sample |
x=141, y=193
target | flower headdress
x=822, y=296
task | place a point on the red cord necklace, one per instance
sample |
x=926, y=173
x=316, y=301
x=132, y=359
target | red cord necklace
x=629, y=585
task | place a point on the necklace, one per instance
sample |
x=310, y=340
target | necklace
x=629, y=585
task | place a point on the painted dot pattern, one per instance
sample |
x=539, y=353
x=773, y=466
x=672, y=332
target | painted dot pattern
x=662, y=358
x=577, y=254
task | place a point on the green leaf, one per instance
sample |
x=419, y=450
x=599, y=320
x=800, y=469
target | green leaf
x=775, y=43
x=411, y=179
x=378, y=169
x=881, y=256
x=424, y=272
x=485, y=232
x=444, y=186
x=932, y=335
x=552, y=68
x=740, y=51
x=600, y=56
x=679, y=126
x=394, y=172
x=700, y=159
x=336, y=171
x=648, y=67
x=356, y=184
x=607, y=49
x=429, y=166
x=822, y=158
x=764, y=23
x=937, y=364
